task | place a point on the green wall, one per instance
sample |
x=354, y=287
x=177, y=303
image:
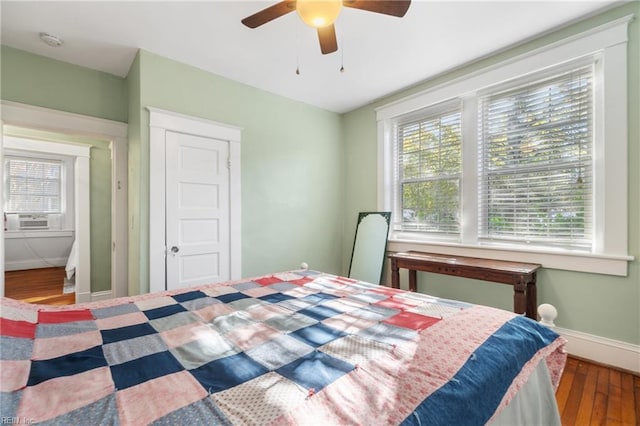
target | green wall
x=292, y=170
x=36, y=80
x=601, y=305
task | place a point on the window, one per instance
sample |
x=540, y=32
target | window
x=535, y=162
x=534, y=171
x=33, y=185
x=524, y=160
x=429, y=163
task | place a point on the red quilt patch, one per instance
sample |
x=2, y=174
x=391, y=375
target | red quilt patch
x=17, y=328
x=386, y=290
x=45, y=317
x=268, y=280
x=301, y=281
x=411, y=320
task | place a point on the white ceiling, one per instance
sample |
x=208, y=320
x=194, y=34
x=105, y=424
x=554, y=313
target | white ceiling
x=381, y=54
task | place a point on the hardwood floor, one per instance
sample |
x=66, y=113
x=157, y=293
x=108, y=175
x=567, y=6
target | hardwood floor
x=42, y=285
x=591, y=394
x=588, y=394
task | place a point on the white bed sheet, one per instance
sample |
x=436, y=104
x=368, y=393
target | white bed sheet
x=72, y=262
x=536, y=400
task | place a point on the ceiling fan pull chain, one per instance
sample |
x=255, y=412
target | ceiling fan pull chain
x=342, y=52
x=298, y=50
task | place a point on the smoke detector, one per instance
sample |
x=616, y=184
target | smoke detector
x=51, y=40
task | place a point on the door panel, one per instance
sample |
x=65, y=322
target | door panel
x=197, y=210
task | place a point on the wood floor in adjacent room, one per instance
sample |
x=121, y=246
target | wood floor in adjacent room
x=589, y=394
x=42, y=285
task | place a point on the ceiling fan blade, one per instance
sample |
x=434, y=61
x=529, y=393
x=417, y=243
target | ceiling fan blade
x=269, y=14
x=388, y=7
x=328, y=41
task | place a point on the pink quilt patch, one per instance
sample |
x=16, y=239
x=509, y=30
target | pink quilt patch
x=53, y=397
x=119, y=321
x=400, y=305
x=53, y=347
x=161, y=396
x=13, y=375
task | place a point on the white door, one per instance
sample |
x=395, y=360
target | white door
x=197, y=210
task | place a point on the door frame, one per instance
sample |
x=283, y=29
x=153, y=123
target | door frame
x=46, y=119
x=161, y=121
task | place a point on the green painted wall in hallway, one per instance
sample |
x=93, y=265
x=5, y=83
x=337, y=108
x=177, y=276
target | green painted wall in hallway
x=36, y=80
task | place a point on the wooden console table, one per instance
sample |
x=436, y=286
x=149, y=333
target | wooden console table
x=522, y=276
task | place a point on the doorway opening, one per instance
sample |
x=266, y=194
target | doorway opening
x=46, y=212
x=105, y=140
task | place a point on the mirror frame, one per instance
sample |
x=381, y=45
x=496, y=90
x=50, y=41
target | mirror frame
x=387, y=217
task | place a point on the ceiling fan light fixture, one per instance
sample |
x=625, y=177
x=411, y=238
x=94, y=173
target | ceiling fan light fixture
x=318, y=13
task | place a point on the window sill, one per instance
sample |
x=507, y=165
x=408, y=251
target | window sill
x=38, y=233
x=550, y=259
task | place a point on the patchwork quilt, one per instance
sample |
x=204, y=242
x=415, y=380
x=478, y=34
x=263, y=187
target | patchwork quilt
x=299, y=347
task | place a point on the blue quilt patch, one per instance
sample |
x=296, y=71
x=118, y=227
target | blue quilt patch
x=143, y=369
x=315, y=370
x=225, y=373
x=184, y=297
x=317, y=335
x=124, y=333
x=164, y=311
x=66, y=365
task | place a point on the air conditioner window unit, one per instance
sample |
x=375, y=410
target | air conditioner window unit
x=33, y=221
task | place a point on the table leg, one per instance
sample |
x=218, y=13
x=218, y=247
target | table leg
x=395, y=274
x=519, y=296
x=532, y=298
x=413, y=280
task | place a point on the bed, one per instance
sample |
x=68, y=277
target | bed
x=298, y=347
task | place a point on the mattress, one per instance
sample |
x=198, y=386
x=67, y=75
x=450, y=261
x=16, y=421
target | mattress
x=298, y=347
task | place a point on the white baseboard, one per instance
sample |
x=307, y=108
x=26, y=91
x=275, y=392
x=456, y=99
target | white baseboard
x=101, y=295
x=83, y=297
x=603, y=350
x=19, y=265
x=94, y=297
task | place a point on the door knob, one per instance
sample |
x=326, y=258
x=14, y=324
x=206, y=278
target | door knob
x=175, y=249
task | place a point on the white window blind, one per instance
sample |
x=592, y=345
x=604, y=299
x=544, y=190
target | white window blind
x=429, y=168
x=33, y=185
x=535, y=162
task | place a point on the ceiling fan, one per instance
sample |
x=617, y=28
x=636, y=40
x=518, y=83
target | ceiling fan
x=321, y=14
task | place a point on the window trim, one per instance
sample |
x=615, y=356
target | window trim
x=607, y=45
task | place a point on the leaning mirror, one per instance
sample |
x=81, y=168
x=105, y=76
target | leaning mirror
x=369, y=246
